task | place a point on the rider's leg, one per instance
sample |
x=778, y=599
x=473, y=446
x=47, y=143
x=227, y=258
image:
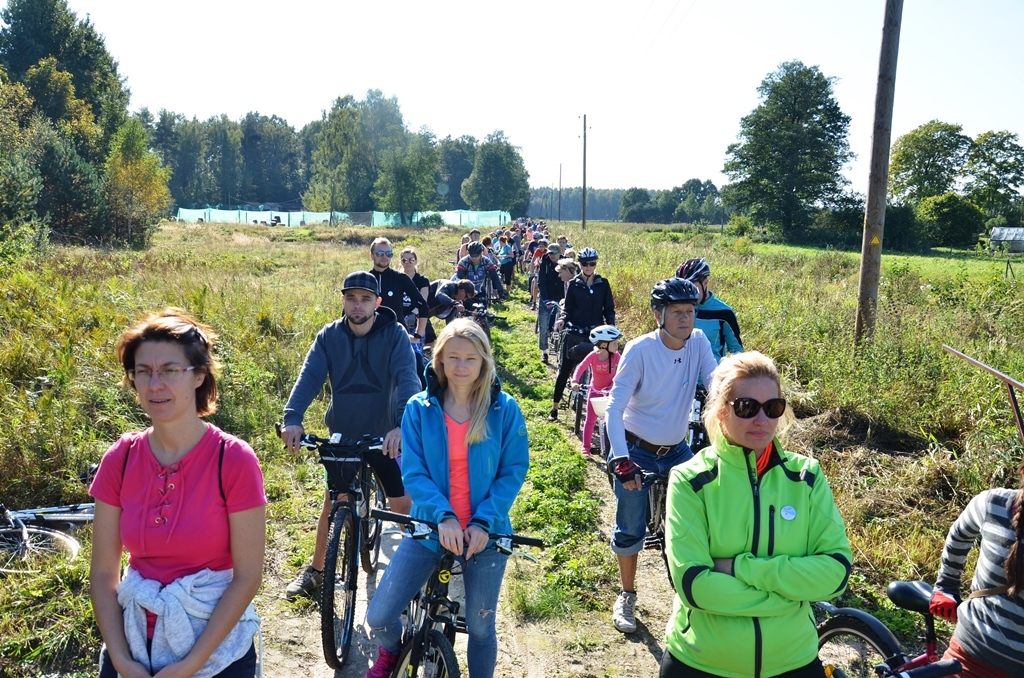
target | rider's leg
x=322, y=525
x=588, y=426
x=408, y=570
x=627, y=572
x=482, y=578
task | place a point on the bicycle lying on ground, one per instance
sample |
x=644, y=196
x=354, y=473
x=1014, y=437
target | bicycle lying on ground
x=32, y=539
x=858, y=645
x=432, y=616
x=353, y=536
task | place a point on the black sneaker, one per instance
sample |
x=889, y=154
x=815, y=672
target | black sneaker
x=553, y=414
x=305, y=584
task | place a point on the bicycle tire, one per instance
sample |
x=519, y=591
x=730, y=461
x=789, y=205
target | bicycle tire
x=579, y=407
x=23, y=552
x=369, y=542
x=338, y=591
x=437, y=660
x=847, y=643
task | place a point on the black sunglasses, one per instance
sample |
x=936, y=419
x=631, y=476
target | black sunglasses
x=747, y=408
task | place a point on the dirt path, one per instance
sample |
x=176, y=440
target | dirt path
x=585, y=645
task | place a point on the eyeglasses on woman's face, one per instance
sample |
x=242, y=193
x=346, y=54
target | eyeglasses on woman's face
x=168, y=374
x=408, y=260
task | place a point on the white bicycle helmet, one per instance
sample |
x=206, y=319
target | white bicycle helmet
x=604, y=333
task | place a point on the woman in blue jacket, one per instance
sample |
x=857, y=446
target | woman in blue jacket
x=464, y=459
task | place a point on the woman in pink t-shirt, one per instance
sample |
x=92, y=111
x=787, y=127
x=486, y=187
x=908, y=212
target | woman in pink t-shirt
x=602, y=363
x=186, y=501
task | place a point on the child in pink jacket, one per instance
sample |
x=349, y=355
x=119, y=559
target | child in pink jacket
x=602, y=361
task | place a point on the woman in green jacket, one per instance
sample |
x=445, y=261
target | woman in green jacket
x=753, y=536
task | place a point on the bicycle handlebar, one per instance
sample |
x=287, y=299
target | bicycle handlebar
x=944, y=667
x=312, y=442
x=422, y=528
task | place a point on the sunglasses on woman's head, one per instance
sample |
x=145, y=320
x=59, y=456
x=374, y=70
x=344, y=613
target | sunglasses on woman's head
x=747, y=408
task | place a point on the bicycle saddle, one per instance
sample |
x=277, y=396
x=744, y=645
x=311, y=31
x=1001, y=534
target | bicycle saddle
x=910, y=595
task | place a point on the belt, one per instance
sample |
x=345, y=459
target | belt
x=659, y=450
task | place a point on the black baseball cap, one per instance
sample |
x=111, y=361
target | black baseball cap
x=360, y=280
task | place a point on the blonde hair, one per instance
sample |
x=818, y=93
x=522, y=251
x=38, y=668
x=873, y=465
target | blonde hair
x=733, y=368
x=480, y=394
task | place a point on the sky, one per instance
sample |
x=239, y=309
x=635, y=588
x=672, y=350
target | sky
x=663, y=83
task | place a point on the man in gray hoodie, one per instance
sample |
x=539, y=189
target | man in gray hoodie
x=367, y=360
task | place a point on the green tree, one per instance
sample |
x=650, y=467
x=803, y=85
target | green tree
x=499, y=180
x=456, y=157
x=995, y=166
x=635, y=206
x=405, y=183
x=53, y=94
x=37, y=29
x=926, y=161
x=328, y=188
x=950, y=220
x=224, y=139
x=271, y=156
x=792, y=149
x=135, y=187
x=71, y=198
x=192, y=184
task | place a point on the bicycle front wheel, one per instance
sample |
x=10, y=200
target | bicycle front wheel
x=32, y=549
x=437, y=659
x=847, y=643
x=338, y=592
x=369, y=546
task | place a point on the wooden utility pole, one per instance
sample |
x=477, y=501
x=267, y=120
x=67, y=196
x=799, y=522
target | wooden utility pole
x=584, y=172
x=874, y=213
x=559, y=192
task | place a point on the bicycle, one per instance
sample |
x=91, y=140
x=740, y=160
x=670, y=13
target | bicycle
x=482, y=316
x=858, y=645
x=353, y=535
x=32, y=538
x=696, y=434
x=578, y=405
x=433, y=618
x=656, y=496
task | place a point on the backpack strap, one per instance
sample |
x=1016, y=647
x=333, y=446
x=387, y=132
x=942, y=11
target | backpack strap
x=220, y=468
x=994, y=591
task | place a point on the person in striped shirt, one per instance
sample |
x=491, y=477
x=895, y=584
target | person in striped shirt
x=989, y=636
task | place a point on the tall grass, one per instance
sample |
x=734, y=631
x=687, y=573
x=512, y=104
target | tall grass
x=906, y=432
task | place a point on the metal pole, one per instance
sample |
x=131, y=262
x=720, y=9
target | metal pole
x=559, y=192
x=584, y=172
x=874, y=213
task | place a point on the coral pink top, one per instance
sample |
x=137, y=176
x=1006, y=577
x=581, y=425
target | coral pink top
x=458, y=470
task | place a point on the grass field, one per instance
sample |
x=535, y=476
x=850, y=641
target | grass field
x=906, y=432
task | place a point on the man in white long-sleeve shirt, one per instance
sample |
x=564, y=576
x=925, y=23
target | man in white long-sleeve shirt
x=648, y=415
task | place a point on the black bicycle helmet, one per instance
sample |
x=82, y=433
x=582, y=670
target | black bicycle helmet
x=475, y=249
x=694, y=270
x=674, y=291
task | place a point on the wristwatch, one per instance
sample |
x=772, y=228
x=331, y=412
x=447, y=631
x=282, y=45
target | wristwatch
x=417, y=335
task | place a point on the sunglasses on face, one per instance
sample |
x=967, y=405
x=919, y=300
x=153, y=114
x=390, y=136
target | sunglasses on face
x=385, y=253
x=747, y=408
x=588, y=264
x=408, y=261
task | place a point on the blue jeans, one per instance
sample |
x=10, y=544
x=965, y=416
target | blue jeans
x=409, y=570
x=544, y=322
x=631, y=505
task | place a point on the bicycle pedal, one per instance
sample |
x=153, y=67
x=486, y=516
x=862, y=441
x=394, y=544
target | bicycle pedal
x=652, y=542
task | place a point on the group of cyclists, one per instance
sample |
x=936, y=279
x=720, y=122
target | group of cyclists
x=753, y=535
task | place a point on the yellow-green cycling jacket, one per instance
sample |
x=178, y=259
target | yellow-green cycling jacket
x=789, y=547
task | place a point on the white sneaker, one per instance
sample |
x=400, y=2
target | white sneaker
x=623, y=615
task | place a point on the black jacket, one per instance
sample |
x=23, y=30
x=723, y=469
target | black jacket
x=393, y=285
x=589, y=306
x=549, y=284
